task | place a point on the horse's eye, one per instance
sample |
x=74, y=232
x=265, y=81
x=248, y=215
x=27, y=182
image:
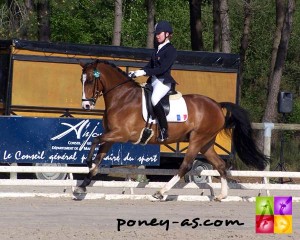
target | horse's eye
x=89, y=80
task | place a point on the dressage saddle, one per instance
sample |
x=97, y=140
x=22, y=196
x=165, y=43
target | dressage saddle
x=165, y=102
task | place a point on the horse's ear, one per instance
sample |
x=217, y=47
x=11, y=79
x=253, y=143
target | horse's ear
x=82, y=64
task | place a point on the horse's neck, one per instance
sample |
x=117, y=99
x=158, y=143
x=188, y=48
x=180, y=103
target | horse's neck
x=117, y=88
x=114, y=79
x=123, y=94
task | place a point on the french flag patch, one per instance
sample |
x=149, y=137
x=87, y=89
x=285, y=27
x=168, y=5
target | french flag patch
x=181, y=117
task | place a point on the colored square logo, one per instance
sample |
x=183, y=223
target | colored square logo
x=264, y=205
x=283, y=206
x=264, y=223
x=283, y=224
x=274, y=214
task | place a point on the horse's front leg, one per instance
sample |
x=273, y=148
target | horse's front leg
x=95, y=143
x=104, y=148
x=93, y=164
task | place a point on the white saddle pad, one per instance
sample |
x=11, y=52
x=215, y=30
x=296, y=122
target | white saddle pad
x=178, y=110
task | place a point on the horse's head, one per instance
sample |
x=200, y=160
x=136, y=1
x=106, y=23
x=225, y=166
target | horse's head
x=91, y=85
x=100, y=78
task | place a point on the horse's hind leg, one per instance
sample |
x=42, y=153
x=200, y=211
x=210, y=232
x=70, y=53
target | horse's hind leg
x=185, y=166
x=220, y=166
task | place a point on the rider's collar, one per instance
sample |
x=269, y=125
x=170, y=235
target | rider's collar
x=162, y=44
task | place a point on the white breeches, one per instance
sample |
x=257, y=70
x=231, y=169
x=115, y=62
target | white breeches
x=159, y=89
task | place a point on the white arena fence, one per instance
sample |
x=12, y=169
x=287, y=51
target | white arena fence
x=71, y=183
x=268, y=128
x=131, y=185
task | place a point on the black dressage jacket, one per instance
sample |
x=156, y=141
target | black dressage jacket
x=160, y=64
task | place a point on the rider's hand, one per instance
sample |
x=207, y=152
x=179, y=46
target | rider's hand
x=137, y=73
x=131, y=74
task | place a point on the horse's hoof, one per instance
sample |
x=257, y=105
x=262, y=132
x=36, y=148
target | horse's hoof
x=158, y=196
x=219, y=198
x=79, y=190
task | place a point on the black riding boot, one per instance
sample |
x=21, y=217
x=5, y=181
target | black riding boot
x=162, y=122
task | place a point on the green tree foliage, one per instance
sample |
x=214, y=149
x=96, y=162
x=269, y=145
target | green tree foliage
x=178, y=15
x=91, y=22
x=134, y=29
x=291, y=75
x=84, y=21
x=16, y=21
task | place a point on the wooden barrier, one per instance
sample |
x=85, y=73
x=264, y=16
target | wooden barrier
x=278, y=126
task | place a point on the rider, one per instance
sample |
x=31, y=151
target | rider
x=159, y=71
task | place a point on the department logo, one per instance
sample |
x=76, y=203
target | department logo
x=274, y=215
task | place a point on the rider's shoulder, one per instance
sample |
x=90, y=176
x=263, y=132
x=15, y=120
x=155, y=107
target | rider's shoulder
x=170, y=47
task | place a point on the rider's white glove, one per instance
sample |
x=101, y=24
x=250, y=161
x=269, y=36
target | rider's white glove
x=131, y=74
x=137, y=73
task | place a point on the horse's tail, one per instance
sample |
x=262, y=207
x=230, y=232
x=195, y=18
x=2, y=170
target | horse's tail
x=242, y=134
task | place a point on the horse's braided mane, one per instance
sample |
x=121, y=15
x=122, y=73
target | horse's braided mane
x=118, y=69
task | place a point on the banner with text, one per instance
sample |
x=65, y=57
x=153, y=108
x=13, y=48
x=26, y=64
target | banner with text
x=64, y=140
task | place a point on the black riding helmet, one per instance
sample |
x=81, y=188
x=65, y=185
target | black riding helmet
x=163, y=26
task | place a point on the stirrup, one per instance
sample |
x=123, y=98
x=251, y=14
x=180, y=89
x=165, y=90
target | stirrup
x=162, y=139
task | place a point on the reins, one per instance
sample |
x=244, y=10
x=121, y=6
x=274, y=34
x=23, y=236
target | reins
x=118, y=85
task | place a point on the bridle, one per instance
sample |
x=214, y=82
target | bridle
x=97, y=93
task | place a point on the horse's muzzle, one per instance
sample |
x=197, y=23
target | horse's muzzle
x=87, y=105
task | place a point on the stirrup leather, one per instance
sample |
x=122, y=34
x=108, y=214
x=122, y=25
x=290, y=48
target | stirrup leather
x=163, y=135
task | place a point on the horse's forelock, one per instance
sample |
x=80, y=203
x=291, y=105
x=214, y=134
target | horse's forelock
x=85, y=66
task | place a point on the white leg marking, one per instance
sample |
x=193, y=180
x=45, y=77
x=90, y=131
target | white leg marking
x=224, y=190
x=170, y=184
x=224, y=187
x=93, y=167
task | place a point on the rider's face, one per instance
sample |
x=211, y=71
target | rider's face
x=161, y=37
